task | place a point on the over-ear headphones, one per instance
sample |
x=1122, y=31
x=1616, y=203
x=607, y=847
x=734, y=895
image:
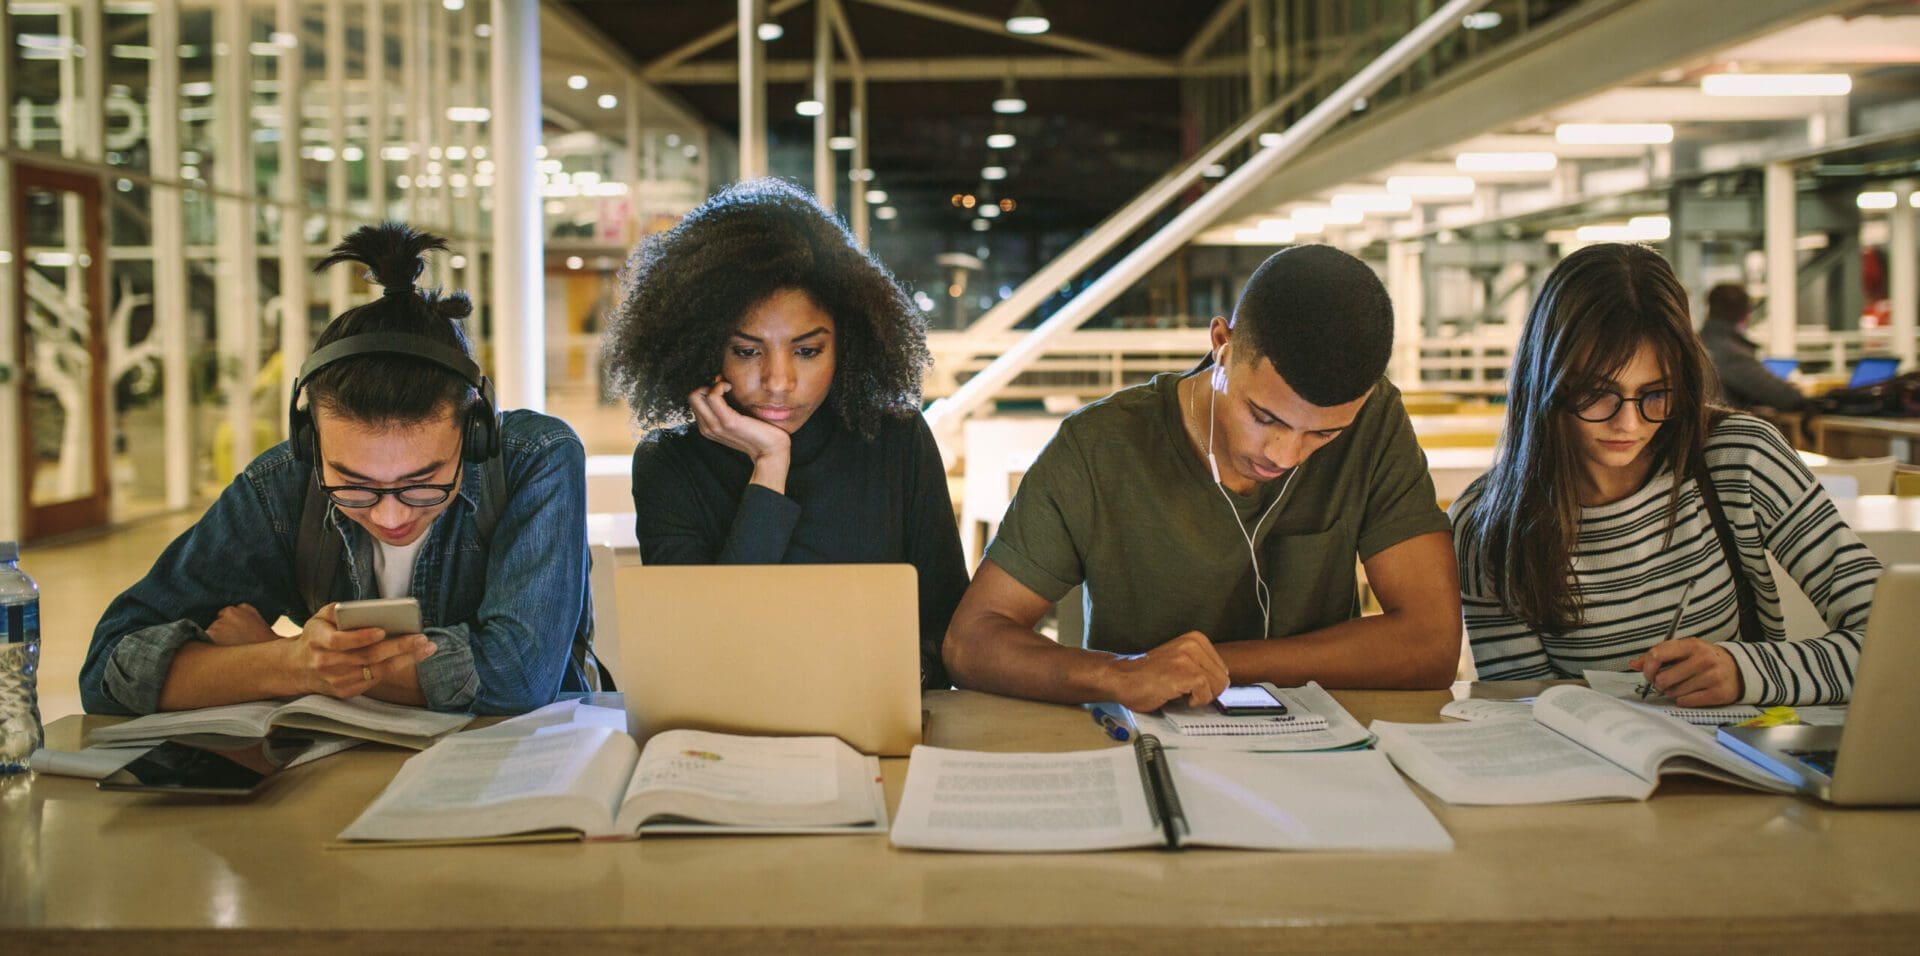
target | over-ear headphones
x=479, y=428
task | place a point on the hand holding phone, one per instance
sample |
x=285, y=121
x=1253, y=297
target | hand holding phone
x=1248, y=701
x=398, y=617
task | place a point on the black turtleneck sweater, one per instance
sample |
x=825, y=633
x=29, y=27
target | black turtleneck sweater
x=848, y=501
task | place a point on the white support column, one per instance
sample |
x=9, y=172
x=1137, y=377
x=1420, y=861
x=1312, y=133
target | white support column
x=412, y=78
x=1903, y=262
x=1259, y=52
x=238, y=251
x=12, y=369
x=1783, y=261
x=1409, y=300
x=293, y=244
x=377, y=108
x=170, y=256
x=857, y=125
x=519, y=279
x=439, y=92
x=823, y=165
x=753, y=90
x=91, y=108
x=339, y=281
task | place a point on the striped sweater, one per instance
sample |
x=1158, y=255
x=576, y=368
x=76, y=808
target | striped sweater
x=1628, y=576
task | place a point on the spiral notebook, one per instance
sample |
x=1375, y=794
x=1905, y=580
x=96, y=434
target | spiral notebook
x=1207, y=722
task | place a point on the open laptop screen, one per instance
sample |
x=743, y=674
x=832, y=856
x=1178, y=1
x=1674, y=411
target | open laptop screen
x=1873, y=371
x=1782, y=368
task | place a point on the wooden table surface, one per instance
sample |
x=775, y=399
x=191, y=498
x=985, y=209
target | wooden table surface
x=1699, y=867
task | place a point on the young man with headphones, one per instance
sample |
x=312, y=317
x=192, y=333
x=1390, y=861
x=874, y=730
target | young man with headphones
x=400, y=479
x=1215, y=517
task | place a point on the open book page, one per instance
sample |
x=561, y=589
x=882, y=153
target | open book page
x=1325, y=801
x=1342, y=730
x=397, y=724
x=693, y=775
x=475, y=787
x=556, y=716
x=1625, y=685
x=1645, y=743
x=1017, y=803
x=1499, y=762
x=251, y=719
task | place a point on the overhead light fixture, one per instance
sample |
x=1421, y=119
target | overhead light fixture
x=1276, y=232
x=810, y=107
x=1877, y=200
x=1417, y=186
x=1637, y=229
x=455, y=5
x=1776, y=84
x=1001, y=141
x=1009, y=101
x=988, y=211
x=842, y=144
x=1913, y=199
x=1269, y=139
x=1484, y=20
x=1528, y=162
x=608, y=101
x=1215, y=171
x=885, y=212
x=1613, y=134
x=770, y=30
x=981, y=225
x=1325, y=216
x=1027, y=19
x=576, y=82
x=469, y=114
x=876, y=196
x=1372, y=202
x=993, y=173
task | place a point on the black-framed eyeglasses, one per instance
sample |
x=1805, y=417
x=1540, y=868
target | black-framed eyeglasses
x=413, y=496
x=1602, y=404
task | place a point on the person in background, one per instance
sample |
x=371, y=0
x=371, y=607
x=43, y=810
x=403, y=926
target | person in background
x=400, y=479
x=779, y=365
x=1744, y=381
x=1621, y=496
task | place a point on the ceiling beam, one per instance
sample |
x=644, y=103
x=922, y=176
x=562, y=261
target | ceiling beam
x=1210, y=30
x=708, y=40
x=973, y=21
x=914, y=70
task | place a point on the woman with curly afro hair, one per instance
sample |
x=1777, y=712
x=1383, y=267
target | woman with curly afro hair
x=778, y=366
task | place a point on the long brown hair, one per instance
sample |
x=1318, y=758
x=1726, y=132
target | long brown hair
x=1595, y=311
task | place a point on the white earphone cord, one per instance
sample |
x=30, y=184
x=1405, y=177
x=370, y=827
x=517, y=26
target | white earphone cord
x=1261, y=593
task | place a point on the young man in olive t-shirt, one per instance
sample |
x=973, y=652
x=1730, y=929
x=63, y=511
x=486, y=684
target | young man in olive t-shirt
x=1214, y=518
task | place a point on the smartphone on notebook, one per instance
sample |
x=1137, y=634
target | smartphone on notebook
x=396, y=616
x=1251, y=700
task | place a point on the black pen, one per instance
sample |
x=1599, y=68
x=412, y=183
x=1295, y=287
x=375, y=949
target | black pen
x=1673, y=627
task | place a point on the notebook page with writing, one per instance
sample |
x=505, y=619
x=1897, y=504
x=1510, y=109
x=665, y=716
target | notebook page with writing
x=1504, y=762
x=1625, y=685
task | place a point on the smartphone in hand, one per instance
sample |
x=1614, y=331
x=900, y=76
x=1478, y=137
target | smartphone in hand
x=396, y=616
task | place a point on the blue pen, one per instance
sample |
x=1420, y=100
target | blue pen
x=1116, y=727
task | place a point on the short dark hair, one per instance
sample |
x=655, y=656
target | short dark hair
x=683, y=292
x=1322, y=318
x=388, y=388
x=1728, y=303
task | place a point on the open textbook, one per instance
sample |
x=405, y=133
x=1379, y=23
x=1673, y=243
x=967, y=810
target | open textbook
x=588, y=779
x=1143, y=796
x=414, y=728
x=1581, y=745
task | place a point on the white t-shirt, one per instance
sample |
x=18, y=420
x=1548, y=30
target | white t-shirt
x=393, y=566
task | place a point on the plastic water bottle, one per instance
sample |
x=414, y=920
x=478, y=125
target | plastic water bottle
x=19, y=658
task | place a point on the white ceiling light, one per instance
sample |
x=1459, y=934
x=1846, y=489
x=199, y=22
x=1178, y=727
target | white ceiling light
x=576, y=82
x=1430, y=185
x=885, y=212
x=454, y=4
x=1913, y=199
x=1372, y=202
x=1613, y=134
x=1009, y=101
x=842, y=144
x=1001, y=141
x=608, y=101
x=1776, y=84
x=1027, y=19
x=993, y=173
x=1877, y=200
x=770, y=30
x=1215, y=171
x=810, y=107
x=1506, y=162
x=988, y=210
x=1277, y=237
x=876, y=196
x=981, y=225
x=1637, y=229
x=575, y=262
x=1484, y=20
x=1325, y=216
x=1269, y=139
x=469, y=114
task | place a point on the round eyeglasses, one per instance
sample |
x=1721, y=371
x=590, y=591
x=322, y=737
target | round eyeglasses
x=1602, y=404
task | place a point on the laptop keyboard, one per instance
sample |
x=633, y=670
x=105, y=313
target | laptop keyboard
x=1821, y=760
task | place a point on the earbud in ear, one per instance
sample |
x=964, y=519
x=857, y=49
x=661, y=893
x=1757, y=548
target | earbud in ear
x=1214, y=466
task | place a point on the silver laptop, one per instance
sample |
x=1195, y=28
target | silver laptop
x=782, y=649
x=1875, y=757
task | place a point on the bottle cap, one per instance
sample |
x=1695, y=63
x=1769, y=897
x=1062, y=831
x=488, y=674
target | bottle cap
x=9, y=550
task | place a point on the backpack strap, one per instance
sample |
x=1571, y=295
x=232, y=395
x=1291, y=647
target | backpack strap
x=1742, y=588
x=316, y=549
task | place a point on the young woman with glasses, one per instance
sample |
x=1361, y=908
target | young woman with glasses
x=1621, y=502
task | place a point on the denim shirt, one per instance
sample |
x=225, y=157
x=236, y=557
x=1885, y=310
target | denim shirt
x=513, y=620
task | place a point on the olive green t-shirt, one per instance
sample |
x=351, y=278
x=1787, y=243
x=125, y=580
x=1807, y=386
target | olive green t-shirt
x=1118, y=500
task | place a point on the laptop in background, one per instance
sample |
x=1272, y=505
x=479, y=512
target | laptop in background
x=1873, y=371
x=773, y=649
x=1875, y=757
x=1782, y=368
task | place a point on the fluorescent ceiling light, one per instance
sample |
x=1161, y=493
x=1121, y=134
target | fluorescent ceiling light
x=1027, y=19
x=1372, y=202
x=1009, y=105
x=1877, y=200
x=608, y=101
x=1326, y=215
x=885, y=212
x=1776, y=84
x=876, y=196
x=576, y=82
x=1539, y=162
x=1613, y=134
x=993, y=173
x=575, y=262
x=988, y=210
x=1278, y=237
x=1001, y=141
x=770, y=30
x=1269, y=139
x=1215, y=171
x=1484, y=20
x=842, y=143
x=469, y=114
x=810, y=107
x=1637, y=229
x=454, y=4
x=1430, y=185
x=981, y=225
